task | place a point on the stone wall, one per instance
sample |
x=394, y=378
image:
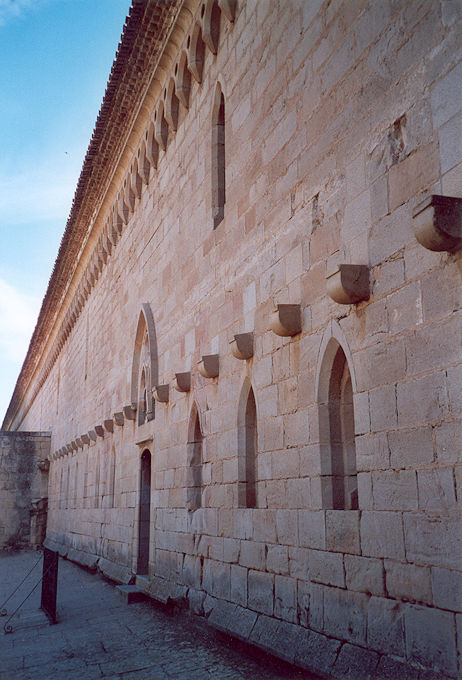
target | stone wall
x=21, y=483
x=339, y=118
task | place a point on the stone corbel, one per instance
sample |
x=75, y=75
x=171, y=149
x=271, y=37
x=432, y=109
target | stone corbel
x=79, y=442
x=129, y=412
x=161, y=393
x=242, y=346
x=85, y=439
x=182, y=381
x=108, y=425
x=119, y=418
x=438, y=223
x=92, y=434
x=43, y=465
x=74, y=446
x=209, y=365
x=349, y=284
x=99, y=429
x=286, y=320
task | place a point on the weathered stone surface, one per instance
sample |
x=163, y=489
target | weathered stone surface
x=364, y=574
x=408, y=581
x=356, y=663
x=430, y=638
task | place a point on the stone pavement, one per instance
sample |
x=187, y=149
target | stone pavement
x=99, y=636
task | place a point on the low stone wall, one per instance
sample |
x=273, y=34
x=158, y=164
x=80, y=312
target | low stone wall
x=22, y=482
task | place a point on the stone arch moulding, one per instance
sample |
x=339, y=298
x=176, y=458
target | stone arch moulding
x=326, y=358
x=247, y=446
x=145, y=327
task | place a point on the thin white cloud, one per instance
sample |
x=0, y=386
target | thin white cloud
x=38, y=193
x=12, y=9
x=18, y=316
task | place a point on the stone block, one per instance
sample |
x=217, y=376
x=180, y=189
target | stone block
x=287, y=527
x=382, y=535
x=364, y=574
x=395, y=490
x=299, y=563
x=434, y=346
x=384, y=415
x=372, y=452
x=216, y=579
x=422, y=400
x=345, y=615
x=356, y=663
x=390, y=669
x=433, y=540
x=239, y=584
x=264, y=633
x=260, y=592
x=285, y=598
x=437, y=491
x=327, y=567
x=431, y=639
x=455, y=388
x=232, y=619
x=450, y=143
x=311, y=529
x=115, y=572
x=385, y=626
x=316, y=652
x=252, y=555
x=448, y=438
x=408, y=581
x=277, y=559
x=447, y=589
x=342, y=531
x=411, y=448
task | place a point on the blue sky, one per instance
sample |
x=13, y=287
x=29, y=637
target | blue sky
x=55, y=59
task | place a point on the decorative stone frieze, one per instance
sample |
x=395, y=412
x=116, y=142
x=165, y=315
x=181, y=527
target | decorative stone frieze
x=349, y=284
x=438, y=223
x=161, y=392
x=182, y=381
x=209, y=365
x=242, y=345
x=286, y=320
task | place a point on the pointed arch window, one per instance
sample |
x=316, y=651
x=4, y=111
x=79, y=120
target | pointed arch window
x=194, y=462
x=248, y=446
x=218, y=158
x=336, y=414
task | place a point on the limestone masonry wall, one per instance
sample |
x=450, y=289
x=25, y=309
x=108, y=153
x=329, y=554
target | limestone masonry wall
x=307, y=498
x=22, y=482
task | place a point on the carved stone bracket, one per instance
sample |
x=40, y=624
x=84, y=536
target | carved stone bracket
x=92, y=434
x=182, y=381
x=99, y=429
x=43, y=465
x=74, y=445
x=85, y=439
x=209, y=366
x=119, y=418
x=349, y=283
x=108, y=425
x=438, y=223
x=286, y=320
x=242, y=345
x=79, y=442
x=161, y=393
x=129, y=412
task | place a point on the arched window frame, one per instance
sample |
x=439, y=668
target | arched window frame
x=218, y=156
x=336, y=421
x=247, y=441
x=149, y=365
x=195, y=459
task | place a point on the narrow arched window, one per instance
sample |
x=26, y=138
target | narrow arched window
x=218, y=159
x=342, y=436
x=194, y=472
x=251, y=451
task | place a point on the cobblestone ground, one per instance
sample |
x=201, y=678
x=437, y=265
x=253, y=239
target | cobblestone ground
x=99, y=636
